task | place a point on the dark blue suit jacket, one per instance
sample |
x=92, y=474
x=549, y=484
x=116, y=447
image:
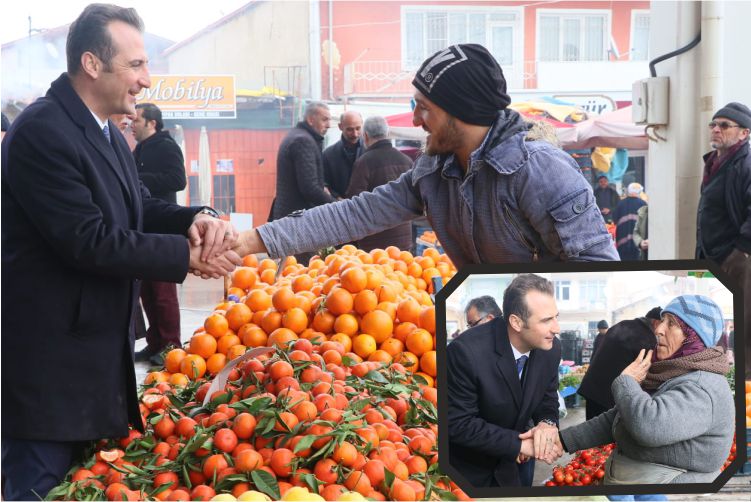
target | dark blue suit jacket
x=75, y=241
x=487, y=406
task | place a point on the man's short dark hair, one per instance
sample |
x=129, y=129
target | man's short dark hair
x=151, y=112
x=90, y=33
x=484, y=305
x=514, y=298
x=602, y=324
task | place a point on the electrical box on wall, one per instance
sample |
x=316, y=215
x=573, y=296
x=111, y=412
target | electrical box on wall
x=650, y=101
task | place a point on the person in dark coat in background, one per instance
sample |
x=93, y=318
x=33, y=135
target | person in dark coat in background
x=625, y=218
x=79, y=232
x=299, y=167
x=723, y=222
x=602, y=329
x=339, y=159
x=161, y=168
x=606, y=197
x=158, y=157
x=617, y=349
x=501, y=374
x=380, y=164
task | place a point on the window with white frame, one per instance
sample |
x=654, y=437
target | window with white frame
x=427, y=30
x=640, y=36
x=592, y=293
x=574, y=36
x=562, y=290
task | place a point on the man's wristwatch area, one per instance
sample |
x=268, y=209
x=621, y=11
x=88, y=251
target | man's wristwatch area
x=210, y=211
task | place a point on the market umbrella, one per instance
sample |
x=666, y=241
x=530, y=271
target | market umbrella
x=204, y=168
x=613, y=129
x=182, y=195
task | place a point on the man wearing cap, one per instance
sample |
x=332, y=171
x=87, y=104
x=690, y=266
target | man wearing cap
x=602, y=329
x=490, y=195
x=723, y=223
x=625, y=216
x=615, y=350
x=607, y=198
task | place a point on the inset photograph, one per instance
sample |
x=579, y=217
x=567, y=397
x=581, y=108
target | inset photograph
x=619, y=381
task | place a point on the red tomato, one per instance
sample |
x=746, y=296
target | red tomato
x=586, y=479
x=550, y=483
x=558, y=477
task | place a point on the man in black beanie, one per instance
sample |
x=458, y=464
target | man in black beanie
x=491, y=194
x=723, y=223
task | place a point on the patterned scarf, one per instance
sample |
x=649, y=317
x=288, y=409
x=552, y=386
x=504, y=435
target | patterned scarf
x=712, y=360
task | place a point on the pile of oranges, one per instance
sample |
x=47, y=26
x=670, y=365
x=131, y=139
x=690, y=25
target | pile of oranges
x=343, y=408
x=296, y=424
x=377, y=305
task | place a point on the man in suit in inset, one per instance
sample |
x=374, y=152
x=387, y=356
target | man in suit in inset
x=501, y=375
x=79, y=234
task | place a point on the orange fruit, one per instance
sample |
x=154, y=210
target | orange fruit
x=345, y=340
x=378, y=324
x=419, y=341
x=339, y=301
x=323, y=321
x=257, y=300
x=428, y=363
x=236, y=351
x=237, y=315
x=172, y=360
x=244, y=278
x=216, y=325
x=252, y=336
x=408, y=310
x=427, y=319
x=194, y=366
x=365, y=301
x=347, y=324
x=392, y=346
x=224, y=343
x=364, y=345
x=203, y=345
x=353, y=279
x=215, y=363
x=295, y=319
x=271, y=321
x=281, y=337
x=302, y=282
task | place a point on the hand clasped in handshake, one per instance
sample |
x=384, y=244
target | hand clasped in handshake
x=211, y=243
x=541, y=442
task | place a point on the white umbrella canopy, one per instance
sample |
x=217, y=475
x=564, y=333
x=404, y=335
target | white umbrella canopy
x=204, y=168
x=182, y=195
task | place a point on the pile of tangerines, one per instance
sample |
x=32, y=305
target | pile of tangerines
x=342, y=408
x=377, y=305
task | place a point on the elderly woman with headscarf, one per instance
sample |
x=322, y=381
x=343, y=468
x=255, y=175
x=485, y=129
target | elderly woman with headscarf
x=674, y=413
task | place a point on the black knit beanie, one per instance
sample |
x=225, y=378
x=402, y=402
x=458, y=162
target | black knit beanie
x=466, y=81
x=737, y=112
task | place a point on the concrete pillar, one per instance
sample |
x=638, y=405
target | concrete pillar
x=674, y=166
x=315, y=49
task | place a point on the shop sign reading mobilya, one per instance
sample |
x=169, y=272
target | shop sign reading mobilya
x=192, y=96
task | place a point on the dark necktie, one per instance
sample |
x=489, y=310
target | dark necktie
x=520, y=365
x=106, y=132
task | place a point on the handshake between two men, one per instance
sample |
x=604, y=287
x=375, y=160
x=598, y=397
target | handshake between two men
x=217, y=248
